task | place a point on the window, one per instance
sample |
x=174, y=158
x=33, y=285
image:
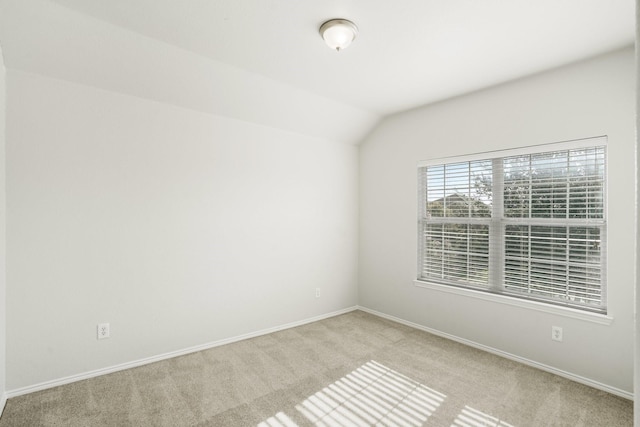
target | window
x=527, y=223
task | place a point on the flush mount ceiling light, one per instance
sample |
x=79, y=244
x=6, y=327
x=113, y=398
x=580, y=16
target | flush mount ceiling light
x=338, y=33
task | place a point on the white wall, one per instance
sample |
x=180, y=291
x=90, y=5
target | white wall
x=636, y=408
x=178, y=227
x=587, y=99
x=3, y=283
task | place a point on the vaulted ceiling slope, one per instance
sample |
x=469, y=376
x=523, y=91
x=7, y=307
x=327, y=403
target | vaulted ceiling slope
x=263, y=61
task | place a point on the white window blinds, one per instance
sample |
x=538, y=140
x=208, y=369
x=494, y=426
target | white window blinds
x=526, y=224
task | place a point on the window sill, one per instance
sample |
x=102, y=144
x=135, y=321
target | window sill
x=517, y=302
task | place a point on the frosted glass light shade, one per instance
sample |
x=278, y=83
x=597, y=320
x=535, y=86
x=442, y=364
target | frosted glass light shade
x=338, y=33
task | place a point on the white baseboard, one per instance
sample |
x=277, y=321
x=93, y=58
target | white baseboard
x=525, y=361
x=104, y=371
x=3, y=402
x=194, y=349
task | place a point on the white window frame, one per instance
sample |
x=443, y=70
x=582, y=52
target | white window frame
x=497, y=223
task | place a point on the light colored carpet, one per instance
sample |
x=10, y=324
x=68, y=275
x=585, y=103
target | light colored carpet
x=351, y=370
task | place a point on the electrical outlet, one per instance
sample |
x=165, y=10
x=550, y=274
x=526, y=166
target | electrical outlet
x=103, y=331
x=556, y=333
x=317, y=292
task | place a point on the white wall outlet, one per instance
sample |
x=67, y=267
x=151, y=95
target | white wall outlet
x=103, y=331
x=556, y=333
x=317, y=292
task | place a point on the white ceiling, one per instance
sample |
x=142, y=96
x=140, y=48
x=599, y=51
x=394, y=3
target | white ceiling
x=408, y=53
x=263, y=61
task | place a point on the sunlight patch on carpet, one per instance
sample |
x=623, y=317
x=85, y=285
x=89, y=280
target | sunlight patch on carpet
x=374, y=395
x=370, y=395
x=279, y=420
